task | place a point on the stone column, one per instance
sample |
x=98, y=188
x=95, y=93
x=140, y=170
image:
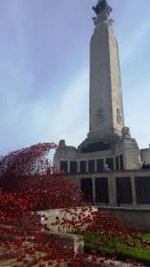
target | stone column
x=134, y=201
x=114, y=163
x=78, y=166
x=86, y=165
x=104, y=162
x=112, y=189
x=93, y=189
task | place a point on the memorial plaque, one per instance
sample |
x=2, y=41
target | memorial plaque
x=91, y=166
x=101, y=190
x=100, y=165
x=82, y=166
x=123, y=190
x=86, y=188
x=73, y=167
x=64, y=166
x=94, y=147
x=142, y=185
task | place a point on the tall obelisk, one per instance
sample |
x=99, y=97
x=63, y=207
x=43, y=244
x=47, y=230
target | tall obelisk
x=106, y=109
x=108, y=141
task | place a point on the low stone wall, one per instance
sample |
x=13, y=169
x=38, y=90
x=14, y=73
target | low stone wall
x=134, y=217
x=53, y=214
x=72, y=241
x=137, y=217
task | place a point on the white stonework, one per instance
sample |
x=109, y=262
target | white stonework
x=106, y=110
x=145, y=155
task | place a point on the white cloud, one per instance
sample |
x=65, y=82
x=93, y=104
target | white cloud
x=132, y=43
x=71, y=113
x=48, y=119
x=137, y=110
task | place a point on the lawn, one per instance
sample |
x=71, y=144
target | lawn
x=123, y=247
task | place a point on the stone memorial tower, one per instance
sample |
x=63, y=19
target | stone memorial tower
x=108, y=141
x=106, y=110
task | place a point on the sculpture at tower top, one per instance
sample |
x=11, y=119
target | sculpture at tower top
x=102, y=11
x=101, y=6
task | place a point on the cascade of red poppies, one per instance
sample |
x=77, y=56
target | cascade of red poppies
x=28, y=183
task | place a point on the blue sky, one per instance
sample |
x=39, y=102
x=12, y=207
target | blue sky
x=44, y=69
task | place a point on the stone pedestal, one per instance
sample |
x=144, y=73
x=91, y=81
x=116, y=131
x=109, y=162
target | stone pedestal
x=118, y=152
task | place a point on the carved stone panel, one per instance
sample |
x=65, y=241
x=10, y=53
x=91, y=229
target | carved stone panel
x=142, y=185
x=91, y=166
x=118, y=116
x=100, y=165
x=82, y=166
x=86, y=188
x=73, y=167
x=123, y=190
x=64, y=166
x=101, y=189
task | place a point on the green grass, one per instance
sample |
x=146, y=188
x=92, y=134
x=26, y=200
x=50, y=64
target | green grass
x=146, y=236
x=117, y=246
